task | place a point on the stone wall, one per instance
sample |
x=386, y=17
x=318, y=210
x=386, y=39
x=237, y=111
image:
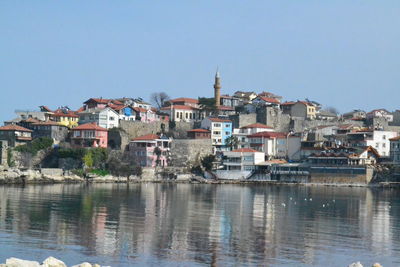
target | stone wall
x=342, y=178
x=188, y=152
x=300, y=124
x=133, y=129
x=240, y=120
x=3, y=152
x=273, y=116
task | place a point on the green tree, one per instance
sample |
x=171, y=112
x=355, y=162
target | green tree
x=88, y=159
x=232, y=142
x=207, y=104
x=207, y=162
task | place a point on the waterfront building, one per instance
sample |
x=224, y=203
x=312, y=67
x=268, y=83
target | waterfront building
x=243, y=159
x=104, y=117
x=220, y=128
x=340, y=157
x=89, y=135
x=242, y=133
x=150, y=150
x=395, y=150
x=276, y=144
x=15, y=135
x=375, y=138
x=199, y=134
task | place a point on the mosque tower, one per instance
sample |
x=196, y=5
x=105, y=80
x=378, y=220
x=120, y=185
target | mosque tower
x=217, y=89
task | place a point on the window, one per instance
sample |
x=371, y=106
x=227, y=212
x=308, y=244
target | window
x=384, y=137
x=227, y=133
x=216, y=132
x=383, y=145
x=111, y=118
x=217, y=124
x=227, y=125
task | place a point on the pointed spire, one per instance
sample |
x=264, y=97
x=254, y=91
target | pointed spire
x=217, y=74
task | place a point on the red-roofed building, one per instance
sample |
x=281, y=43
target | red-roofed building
x=188, y=113
x=15, y=135
x=89, y=135
x=50, y=129
x=184, y=101
x=150, y=150
x=199, y=134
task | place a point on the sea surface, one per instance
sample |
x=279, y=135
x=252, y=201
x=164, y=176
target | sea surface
x=201, y=225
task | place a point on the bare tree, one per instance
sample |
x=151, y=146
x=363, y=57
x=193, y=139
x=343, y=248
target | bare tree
x=159, y=99
x=332, y=110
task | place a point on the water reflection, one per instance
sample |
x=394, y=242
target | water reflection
x=219, y=225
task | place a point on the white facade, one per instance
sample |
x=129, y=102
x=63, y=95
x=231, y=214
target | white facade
x=106, y=118
x=183, y=113
x=242, y=159
x=377, y=139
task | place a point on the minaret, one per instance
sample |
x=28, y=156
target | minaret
x=217, y=89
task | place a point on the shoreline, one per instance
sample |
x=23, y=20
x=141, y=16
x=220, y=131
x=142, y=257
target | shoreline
x=44, y=176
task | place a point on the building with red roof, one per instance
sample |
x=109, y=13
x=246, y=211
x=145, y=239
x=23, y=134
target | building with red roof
x=199, y=134
x=187, y=113
x=15, y=135
x=150, y=150
x=89, y=135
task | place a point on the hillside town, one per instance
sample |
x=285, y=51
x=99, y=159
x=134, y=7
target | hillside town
x=245, y=136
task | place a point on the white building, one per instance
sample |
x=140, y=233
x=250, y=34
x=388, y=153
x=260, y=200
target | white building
x=106, y=117
x=380, y=113
x=242, y=133
x=243, y=159
x=221, y=129
x=380, y=140
x=276, y=145
x=183, y=113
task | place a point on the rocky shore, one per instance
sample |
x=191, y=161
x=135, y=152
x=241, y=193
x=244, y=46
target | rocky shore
x=51, y=176
x=53, y=262
x=49, y=262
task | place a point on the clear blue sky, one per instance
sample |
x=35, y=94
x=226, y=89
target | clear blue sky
x=344, y=54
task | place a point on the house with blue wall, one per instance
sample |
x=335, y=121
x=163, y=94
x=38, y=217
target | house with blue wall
x=220, y=128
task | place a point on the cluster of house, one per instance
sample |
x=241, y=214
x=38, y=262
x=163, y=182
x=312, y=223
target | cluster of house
x=372, y=138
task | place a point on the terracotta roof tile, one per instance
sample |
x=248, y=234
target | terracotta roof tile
x=182, y=107
x=269, y=135
x=147, y=137
x=218, y=120
x=13, y=127
x=245, y=150
x=89, y=126
x=269, y=99
x=184, y=99
x=199, y=131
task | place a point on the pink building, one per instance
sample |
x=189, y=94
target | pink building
x=89, y=135
x=150, y=150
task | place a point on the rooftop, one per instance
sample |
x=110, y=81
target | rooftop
x=89, y=126
x=13, y=127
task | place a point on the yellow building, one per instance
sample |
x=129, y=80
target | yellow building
x=69, y=119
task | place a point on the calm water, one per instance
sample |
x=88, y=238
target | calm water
x=201, y=225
